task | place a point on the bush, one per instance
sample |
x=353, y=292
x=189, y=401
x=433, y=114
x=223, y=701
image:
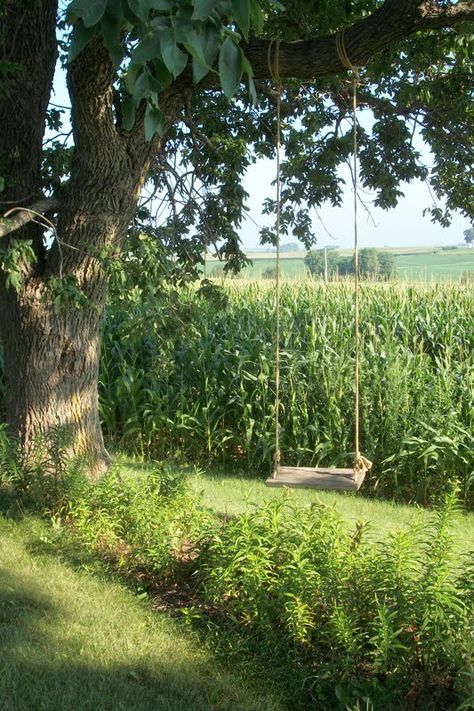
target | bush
x=391, y=620
x=149, y=523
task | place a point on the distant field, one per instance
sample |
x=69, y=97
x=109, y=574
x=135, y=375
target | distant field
x=417, y=263
x=445, y=263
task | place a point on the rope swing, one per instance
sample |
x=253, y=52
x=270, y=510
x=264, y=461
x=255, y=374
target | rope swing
x=310, y=477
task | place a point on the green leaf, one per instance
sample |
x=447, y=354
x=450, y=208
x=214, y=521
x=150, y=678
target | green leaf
x=199, y=71
x=111, y=28
x=81, y=36
x=163, y=77
x=146, y=87
x=224, y=7
x=115, y=10
x=203, y=8
x=140, y=8
x=257, y=18
x=247, y=69
x=154, y=122
x=89, y=11
x=162, y=5
x=2, y=184
x=203, y=44
x=131, y=76
x=142, y=88
x=173, y=57
x=241, y=11
x=128, y=114
x=129, y=16
x=148, y=49
x=230, y=67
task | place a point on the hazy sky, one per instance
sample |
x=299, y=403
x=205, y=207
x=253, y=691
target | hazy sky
x=405, y=225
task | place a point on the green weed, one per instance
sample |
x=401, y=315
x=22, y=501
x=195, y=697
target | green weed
x=390, y=621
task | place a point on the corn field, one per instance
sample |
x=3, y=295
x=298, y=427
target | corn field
x=193, y=376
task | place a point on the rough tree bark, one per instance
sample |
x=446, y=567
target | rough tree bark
x=51, y=357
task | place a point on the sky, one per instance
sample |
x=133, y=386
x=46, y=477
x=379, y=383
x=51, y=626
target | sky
x=403, y=226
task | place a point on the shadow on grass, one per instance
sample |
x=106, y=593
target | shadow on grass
x=45, y=664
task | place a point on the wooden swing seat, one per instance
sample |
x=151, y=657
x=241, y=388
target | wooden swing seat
x=318, y=478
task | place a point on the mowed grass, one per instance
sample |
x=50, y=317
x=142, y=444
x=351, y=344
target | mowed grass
x=417, y=265
x=70, y=639
x=230, y=494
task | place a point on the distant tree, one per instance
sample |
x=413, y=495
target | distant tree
x=373, y=264
x=387, y=265
x=469, y=236
x=315, y=262
x=369, y=262
x=345, y=266
x=290, y=247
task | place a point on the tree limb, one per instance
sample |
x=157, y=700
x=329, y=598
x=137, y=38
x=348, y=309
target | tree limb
x=26, y=214
x=394, y=21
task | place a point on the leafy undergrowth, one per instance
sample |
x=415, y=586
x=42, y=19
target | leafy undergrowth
x=390, y=620
x=336, y=616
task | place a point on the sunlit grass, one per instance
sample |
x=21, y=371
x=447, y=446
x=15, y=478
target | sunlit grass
x=70, y=639
x=229, y=494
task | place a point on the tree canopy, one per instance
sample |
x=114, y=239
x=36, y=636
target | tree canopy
x=416, y=79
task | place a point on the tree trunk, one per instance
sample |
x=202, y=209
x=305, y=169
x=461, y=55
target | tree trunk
x=52, y=344
x=52, y=327
x=51, y=361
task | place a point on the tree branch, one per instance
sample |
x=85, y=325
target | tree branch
x=26, y=214
x=394, y=21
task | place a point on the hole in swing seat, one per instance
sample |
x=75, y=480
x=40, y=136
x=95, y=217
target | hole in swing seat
x=330, y=478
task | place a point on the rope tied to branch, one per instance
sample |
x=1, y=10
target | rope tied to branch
x=360, y=462
x=274, y=69
x=273, y=59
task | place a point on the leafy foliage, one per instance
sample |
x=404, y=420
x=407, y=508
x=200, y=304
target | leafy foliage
x=385, y=621
x=419, y=90
x=158, y=40
x=14, y=256
x=151, y=522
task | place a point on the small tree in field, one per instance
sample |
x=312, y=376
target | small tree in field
x=469, y=236
x=317, y=261
x=387, y=265
x=174, y=98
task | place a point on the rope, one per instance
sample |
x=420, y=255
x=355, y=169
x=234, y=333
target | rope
x=274, y=68
x=360, y=462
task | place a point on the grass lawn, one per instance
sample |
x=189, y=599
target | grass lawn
x=72, y=639
x=234, y=494
x=230, y=494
